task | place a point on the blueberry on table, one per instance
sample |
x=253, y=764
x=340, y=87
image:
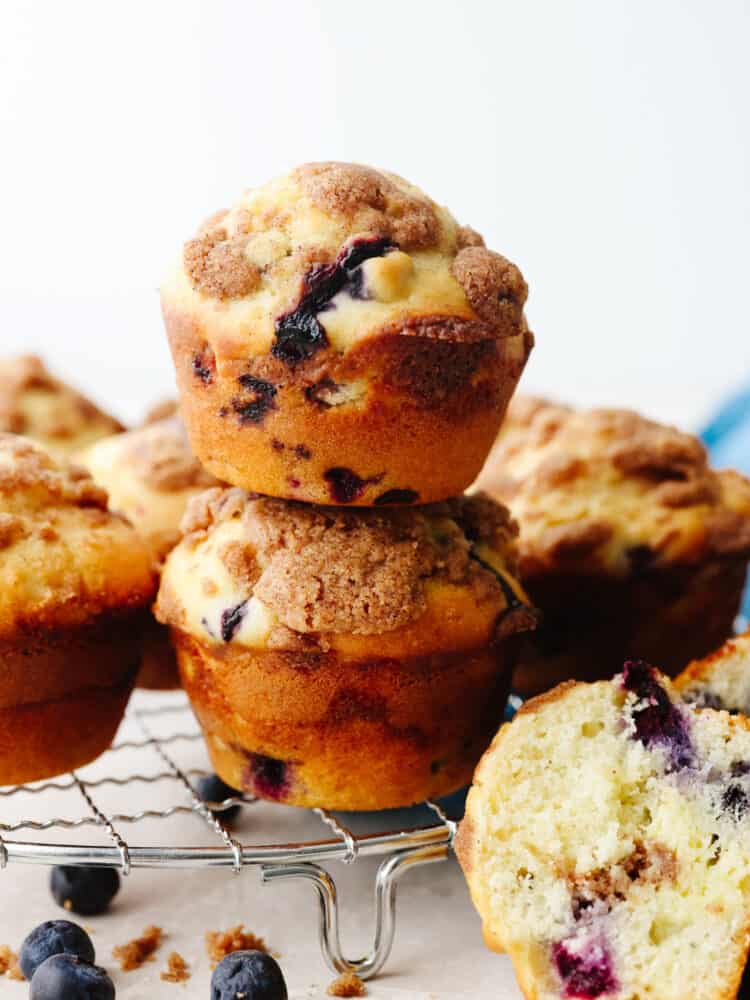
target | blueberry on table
x=212, y=789
x=253, y=975
x=87, y=891
x=65, y=977
x=54, y=937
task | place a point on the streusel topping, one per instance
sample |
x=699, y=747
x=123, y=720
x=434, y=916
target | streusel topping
x=333, y=253
x=611, y=490
x=255, y=570
x=39, y=406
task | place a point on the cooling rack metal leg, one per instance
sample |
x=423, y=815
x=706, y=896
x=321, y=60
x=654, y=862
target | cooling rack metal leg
x=389, y=872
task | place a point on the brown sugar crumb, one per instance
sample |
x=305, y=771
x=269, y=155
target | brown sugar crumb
x=217, y=266
x=219, y=944
x=141, y=949
x=9, y=964
x=373, y=201
x=161, y=458
x=177, y=970
x=347, y=985
x=494, y=287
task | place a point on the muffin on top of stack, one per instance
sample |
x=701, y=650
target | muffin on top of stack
x=340, y=342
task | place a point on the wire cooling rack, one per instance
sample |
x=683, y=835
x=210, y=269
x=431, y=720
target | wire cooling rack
x=78, y=819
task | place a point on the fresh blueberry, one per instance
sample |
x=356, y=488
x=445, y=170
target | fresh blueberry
x=54, y=937
x=87, y=891
x=212, y=789
x=658, y=722
x=586, y=973
x=251, y=974
x=66, y=977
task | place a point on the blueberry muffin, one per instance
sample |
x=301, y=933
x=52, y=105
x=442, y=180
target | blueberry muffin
x=721, y=680
x=75, y=584
x=606, y=845
x=37, y=405
x=150, y=475
x=630, y=543
x=339, y=658
x=339, y=339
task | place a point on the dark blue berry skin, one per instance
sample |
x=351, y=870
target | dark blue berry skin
x=212, y=789
x=65, y=977
x=86, y=891
x=658, y=722
x=299, y=334
x=54, y=937
x=250, y=974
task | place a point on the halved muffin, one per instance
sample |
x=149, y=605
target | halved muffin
x=339, y=338
x=36, y=404
x=150, y=475
x=605, y=843
x=630, y=543
x=339, y=658
x=75, y=584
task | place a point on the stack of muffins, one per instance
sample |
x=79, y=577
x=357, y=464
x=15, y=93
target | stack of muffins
x=343, y=617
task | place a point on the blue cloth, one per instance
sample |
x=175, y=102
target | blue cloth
x=727, y=437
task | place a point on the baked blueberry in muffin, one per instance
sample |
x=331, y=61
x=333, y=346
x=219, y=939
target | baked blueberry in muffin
x=150, y=475
x=630, y=543
x=36, y=404
x=605, y=843
x=341, y=658
x=339, y=339
x=75, y=585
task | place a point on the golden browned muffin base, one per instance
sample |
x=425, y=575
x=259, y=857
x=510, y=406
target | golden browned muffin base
x=591, y=625
x=428, y=413
x=158, y=670
x=311, y=729
x=63, y=694
x=48, y=738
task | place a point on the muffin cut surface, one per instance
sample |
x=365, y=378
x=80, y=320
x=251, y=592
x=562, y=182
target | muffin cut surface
x=605, y=843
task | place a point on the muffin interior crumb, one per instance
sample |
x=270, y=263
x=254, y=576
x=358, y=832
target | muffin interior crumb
x=348, y=984
x=141, y=949
x=9, y=964
x=177, y=970
x=219, y=944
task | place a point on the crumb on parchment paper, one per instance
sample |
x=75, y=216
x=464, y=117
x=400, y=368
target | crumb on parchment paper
x=9, y=964
x=177, y=970
x=347, y=985
x=219, y=944
x=141, y=949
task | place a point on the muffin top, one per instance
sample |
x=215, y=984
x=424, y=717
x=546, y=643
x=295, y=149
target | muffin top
x=263, y=572
x=721, y=680
x=333, y=253
x=610, y=491
x=150, y=475
x=39, y=406
x=63, y=556
x=160, y=411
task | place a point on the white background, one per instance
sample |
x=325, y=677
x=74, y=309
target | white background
x=604, y=146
